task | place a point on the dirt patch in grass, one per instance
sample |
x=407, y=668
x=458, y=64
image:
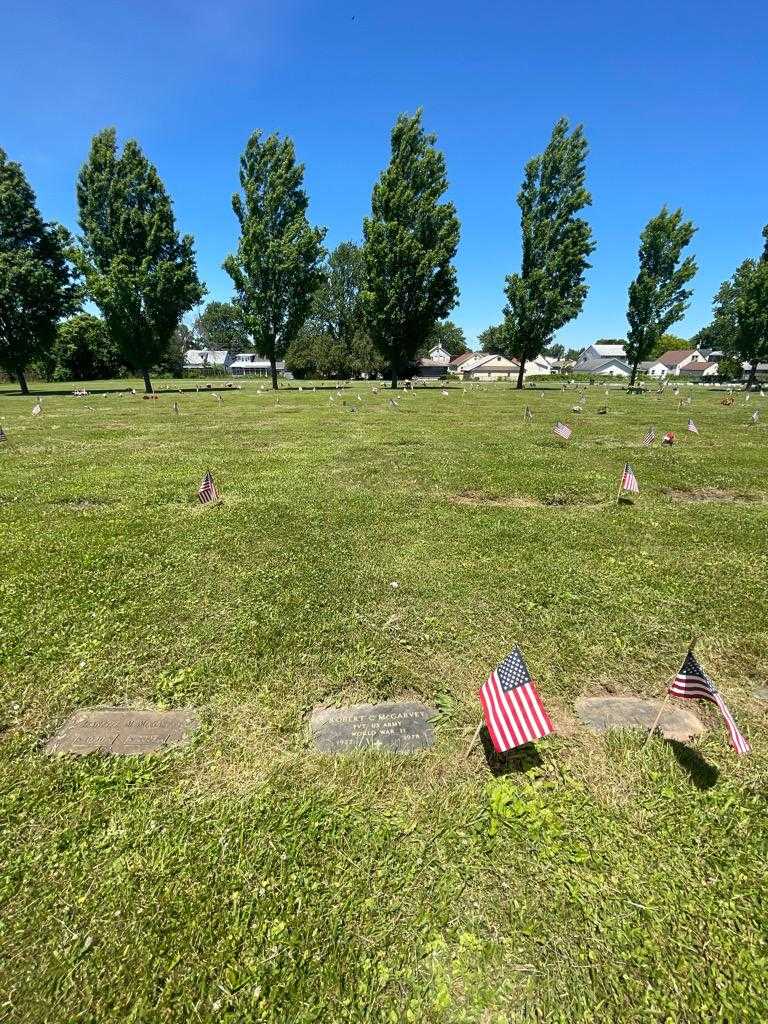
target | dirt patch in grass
x=714, y=494
x=479, y=498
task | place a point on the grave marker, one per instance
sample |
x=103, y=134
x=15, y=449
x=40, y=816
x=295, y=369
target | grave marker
x=401, y=728
x=603, y=713
x=122, y=731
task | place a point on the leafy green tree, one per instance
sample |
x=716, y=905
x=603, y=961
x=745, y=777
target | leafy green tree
x=669, y=343
x=220, y=327
x=138, y=270
x=658, y=296
x=277, y=267
x=556, y=351
x=449, y=336
x=550, y=289
x=410, y=240
x=84, y=350
x=729, y=368
x=741, y=312
x=492, y=339
x=37, y=281
x=337, y=307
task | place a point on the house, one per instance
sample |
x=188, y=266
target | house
x=436, y=363
x=676, y=359
x=603, y=367
x=249, y=364
x=457, y=364
x=490, y=367
x=592, y=353
x=699, y=370
x=207, y=360
x=438, y=354
x=652, y=368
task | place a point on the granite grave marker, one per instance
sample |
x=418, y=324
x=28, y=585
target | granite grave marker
x=122, y=731
x=603, y=713
x=401, y=728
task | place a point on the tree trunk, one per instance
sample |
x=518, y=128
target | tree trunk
x=752, y=379
x=521, y=375
x=273, y=368
x=394, y=380
x=22, y=380
x=633, y=377
x=147, y=382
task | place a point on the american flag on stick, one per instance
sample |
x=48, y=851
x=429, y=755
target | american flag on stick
x=649, y=436
x=562, y=430
x=692, y=427
x=512, y=707
x=755, y=416
x=207, y=490
x=629, y=480
x=3, y=435
x=37, y=409
x=527, y=415
x=693, y=682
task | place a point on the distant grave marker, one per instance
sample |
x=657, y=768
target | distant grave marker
x=603, y=713
x=401, y=728
x=122, y=731
x=762, y=693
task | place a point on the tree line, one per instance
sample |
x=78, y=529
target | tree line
x=375, y=307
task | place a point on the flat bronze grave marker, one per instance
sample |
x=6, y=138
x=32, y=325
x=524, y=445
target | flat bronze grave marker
x=122, y=731
x=400, y=728
x=762, y=693
x=603, y=713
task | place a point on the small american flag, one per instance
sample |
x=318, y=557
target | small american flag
x=3, y=435
x=693, y=682
x=629, y=480
x=176, y=408
x=649, y=436
x=562, y=430
x=755, y=416
x=512, y=708
x=37, y=409
x=692, y=427
x=207, y=490
x=528, y=415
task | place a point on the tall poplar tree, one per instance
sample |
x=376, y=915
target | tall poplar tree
x=550, y=289
x=278, y=264
x=658, y=296
x=410, y=240
x=37, y=282
x=139, y=271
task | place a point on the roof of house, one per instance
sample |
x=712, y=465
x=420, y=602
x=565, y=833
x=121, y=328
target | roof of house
x=205, y=357
x=430, y=362
x=251, y=362
x=458, y=360
x=608, y=351
x=647, y=364
x=697, y=367
x=675, y=356
x=493, y=363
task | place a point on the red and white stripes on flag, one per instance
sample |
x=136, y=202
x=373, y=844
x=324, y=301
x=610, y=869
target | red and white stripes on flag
x=649, y=436
x=3, y=436
x=562, y=430
x=693, y=682
x=207, y=490
x=629, y=480
x=692, y=427
x=511, y=705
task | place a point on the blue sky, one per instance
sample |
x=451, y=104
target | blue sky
x=673, y=96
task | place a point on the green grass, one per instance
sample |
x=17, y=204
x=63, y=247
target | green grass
x=246, y=878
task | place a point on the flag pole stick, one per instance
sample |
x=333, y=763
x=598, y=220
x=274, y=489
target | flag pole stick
x=621, y=488
x=664, y=703
x=473, y=741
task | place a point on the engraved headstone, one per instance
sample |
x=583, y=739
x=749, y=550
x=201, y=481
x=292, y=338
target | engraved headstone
x=603, y=713
x=401, y=728
x=122, y=731
x=762, y=693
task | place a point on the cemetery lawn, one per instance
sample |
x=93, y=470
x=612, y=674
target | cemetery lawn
x=389, y=553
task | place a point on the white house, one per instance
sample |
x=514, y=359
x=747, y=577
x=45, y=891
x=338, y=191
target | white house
x=489, y=366
x=699, y=369
x=207, y=359
x=436, y=363
x=250, y=364
x=592, y=353
x=675, y=360
x=603, y=367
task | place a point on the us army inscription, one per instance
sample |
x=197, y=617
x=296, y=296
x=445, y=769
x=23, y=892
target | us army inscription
x=401, y=728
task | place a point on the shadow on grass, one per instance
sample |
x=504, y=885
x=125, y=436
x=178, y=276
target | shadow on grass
x=517, y=761
x=701, y=773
